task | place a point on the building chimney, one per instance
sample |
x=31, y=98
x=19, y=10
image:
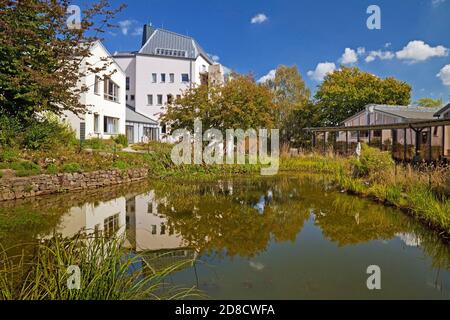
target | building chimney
x=148, y=31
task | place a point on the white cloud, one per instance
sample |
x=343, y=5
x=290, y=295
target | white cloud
x=268, y=76
x=361, y=51
x=214, y=57
x=259, y=18
x=349, y=56
x=418, y=50
x=382, y=55
x=437, y=3
x=125, y=26
x=322, y=69
x=137, y=32
x=130, y=27
x=387, y=44
x=444, y=75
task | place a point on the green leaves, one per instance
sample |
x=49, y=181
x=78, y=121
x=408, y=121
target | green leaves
x=347, y=91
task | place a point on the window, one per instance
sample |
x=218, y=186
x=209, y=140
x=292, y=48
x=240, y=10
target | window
x=154, y=229
x=171, y=78
x=96, y=123
x=150, y=99
x=128, y=83
x=111, y=125
x=154, y=77
x=163, y=229
x=163, y=77
x=111, y=225
x=150, y=207
x=96, y=84
x=184, y=77
x=111, y=90
x=178, y=96
x=163, y=128
x=160, y=99
x=126, y=97
x=170, y=52
x=132, y=97
x=169, y=98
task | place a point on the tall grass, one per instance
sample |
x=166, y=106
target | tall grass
x=423, y=191
x=107, y=272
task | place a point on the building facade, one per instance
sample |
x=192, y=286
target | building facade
x=166, y=65
x=104, y=100
x=415, y=140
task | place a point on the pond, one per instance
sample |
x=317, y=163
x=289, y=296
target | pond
x=286, y=237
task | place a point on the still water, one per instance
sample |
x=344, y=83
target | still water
x=289, y=237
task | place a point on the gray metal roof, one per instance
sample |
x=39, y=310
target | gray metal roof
x=442, y=110
x=164, y=39
x=133, y=116
x=407, y=112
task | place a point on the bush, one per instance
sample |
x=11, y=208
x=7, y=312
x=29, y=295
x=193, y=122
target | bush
x=10, y=127
x=371, y=161
x=121, y=139
x=52, y=169
x=122, y=165
x=44, y=133
x=9, y=155
x=71, y=168
x=47, y=134
x=25, y=168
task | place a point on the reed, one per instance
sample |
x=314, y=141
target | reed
x=108, y=271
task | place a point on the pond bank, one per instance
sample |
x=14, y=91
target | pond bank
x=26, y=187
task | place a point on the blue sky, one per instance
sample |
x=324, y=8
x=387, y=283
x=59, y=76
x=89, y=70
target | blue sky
x=412, y=44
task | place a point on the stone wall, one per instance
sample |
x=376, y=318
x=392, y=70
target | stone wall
x=19, y=188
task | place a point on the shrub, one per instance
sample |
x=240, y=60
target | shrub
x=52, y=169
x=71, y=167
x=47, y=133
x=8, y=133
x=9, y=155
x=371, y=161
x=122, y=165
x=121, y=139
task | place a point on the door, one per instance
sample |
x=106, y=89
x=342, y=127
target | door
x=130, y=134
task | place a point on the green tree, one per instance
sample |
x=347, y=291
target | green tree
x=41, y=54
x=346, y=91
x=430, y=102
x=291, y=95
x=239, y=103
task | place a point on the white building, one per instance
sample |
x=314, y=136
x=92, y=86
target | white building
x=166, y=65
x=105, y=99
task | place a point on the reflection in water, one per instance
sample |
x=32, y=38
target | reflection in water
x=292, y=235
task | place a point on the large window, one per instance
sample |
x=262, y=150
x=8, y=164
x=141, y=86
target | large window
x=163, y=77
x=111, y=125
x=184, y=77
x=171, y=78
x=169, y=99
x=111, y=90
x=154, y=77
x=160, y=99
x=128, y=83
x=150, y=99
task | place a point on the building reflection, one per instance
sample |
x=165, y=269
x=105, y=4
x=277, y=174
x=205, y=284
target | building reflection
x=137, y=219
